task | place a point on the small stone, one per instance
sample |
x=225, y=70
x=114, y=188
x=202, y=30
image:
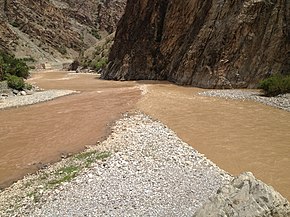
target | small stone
x=15, y=92
x=23, y=93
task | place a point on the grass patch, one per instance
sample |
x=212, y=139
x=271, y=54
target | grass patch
x=66, y=174
x=90, y=157
x=103, y=155
x=85, y=155
x=79, y=162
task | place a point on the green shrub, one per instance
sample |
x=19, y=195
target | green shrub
x=28, y=59
x=12, y=66
x=15, y=82
x=275, y=85
x=102, y=63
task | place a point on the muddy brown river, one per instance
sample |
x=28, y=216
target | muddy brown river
x=33, y=136
x=238, y=136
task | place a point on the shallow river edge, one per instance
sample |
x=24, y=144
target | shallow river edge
x=218, y=192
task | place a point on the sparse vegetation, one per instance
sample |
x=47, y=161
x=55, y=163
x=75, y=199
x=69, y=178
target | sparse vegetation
x=76, y=164
x=275, y=85
x=95, y=33
x=66, y=174
x=28, y=59
x=100, y=64
x=97, y=59
x=89, y=157
x=28, y=86
x=15, y=24
x=62, y=49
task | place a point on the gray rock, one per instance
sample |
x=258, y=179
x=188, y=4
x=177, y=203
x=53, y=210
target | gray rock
x=29, y=92
x=246, y=196
x=23, y=93
x=15, y=92
x=3, y=86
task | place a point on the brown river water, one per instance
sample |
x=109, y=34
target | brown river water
x=238, y=136
x=39, y=134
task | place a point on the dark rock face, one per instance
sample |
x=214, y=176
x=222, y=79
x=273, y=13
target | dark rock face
x=246, y=196
x=205, y=43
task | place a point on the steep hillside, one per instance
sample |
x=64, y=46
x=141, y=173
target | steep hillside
x=205, y=43
x=56, y=29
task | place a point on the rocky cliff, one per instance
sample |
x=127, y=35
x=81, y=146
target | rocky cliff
x=205, y=43
x=55, y=29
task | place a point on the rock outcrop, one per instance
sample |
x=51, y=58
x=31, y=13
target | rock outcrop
x=56, y=29
x=204, y=43
x=246, y=196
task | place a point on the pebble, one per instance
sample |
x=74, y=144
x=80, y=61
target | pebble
x=281, y=101
x=153, y=173
x=28, y=99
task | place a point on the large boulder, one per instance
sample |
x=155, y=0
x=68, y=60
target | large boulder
x=246, y=196
x=205, y=43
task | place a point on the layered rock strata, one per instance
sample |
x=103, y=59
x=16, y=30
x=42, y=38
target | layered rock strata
x=56, y=29
x=210, y=44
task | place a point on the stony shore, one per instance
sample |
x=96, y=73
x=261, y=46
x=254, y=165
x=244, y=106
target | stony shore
x=150, y=172
x=35, y=97
x=281, y=101
x=141, y=169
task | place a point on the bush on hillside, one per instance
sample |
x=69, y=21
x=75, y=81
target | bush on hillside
x=100, y=64
x=9, y=65
x=15, y=82
x=96, y=34
x=275, y=85
x=62, y=49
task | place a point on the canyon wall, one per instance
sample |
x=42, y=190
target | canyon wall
x=55, y=29
x=204, y=43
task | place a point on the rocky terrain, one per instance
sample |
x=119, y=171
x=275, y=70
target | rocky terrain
x=10, y=98
x=23, y=99
x=55, y=30
x=211, y=44
x=245, y=196
x=144, y=169
x=281, y=101
x=140, y=177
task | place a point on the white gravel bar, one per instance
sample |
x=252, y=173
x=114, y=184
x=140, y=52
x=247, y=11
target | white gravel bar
x=280, y=101
x=150, y=172
x=36, y=97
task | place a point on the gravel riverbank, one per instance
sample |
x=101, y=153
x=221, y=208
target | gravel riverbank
x=281, y=101
x=36, y=97
x=150, y=172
